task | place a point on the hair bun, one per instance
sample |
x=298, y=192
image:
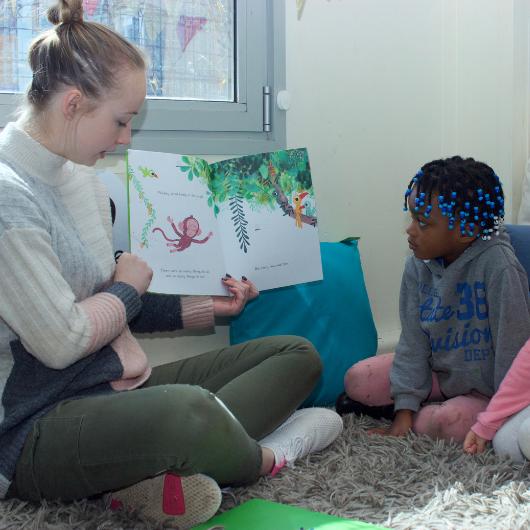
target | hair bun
x=66, y=12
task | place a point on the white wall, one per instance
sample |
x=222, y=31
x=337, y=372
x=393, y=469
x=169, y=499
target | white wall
x=380, y=87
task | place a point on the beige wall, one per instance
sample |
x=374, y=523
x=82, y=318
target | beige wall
x=379, y=87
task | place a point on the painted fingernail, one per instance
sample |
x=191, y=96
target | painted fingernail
x=244, y=278
x=227, y=275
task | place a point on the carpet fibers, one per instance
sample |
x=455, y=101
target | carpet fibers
x=402, y=483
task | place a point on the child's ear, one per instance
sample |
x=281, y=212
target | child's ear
x=467, y=240
x=71, y=103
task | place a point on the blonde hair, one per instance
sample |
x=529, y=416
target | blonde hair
x=86, y=55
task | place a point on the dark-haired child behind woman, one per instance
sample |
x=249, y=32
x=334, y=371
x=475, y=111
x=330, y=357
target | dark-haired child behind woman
x=464, y=308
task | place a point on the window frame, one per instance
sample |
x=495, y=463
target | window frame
x=201, y=127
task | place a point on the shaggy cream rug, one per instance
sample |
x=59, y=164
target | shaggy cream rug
x=405, y=483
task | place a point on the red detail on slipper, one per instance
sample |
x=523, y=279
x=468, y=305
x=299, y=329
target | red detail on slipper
x=173, y=496
x=277, y=467
x=116, y=505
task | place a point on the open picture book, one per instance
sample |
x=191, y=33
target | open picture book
x=194, y=222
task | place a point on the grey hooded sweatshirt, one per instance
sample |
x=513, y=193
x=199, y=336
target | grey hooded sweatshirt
x=466, y=322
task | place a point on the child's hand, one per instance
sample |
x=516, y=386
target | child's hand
x=474, y=444
x=401, y=425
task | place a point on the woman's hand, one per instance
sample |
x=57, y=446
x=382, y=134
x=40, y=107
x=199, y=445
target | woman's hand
x=474, y=444
x=242, y=291
x=401, y=425
x=133, y=270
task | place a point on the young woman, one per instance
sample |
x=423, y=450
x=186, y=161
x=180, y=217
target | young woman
x=82, y=411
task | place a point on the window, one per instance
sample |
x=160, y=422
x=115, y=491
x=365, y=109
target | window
x=214, y=68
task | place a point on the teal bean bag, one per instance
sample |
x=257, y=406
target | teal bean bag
x=333, y=313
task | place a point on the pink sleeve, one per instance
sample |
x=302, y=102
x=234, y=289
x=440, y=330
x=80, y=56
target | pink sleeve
x=512, y=396
x=197, y=312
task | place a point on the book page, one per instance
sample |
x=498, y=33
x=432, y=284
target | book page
x=172, y=223
x=267, y=217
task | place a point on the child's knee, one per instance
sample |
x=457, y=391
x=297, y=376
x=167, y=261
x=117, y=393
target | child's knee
x=352, y=378
x=443, y=422
x=505, y=443
x=523, y=438
x=367, y=381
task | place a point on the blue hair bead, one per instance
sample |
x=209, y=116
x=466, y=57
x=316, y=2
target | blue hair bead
x=453, y=195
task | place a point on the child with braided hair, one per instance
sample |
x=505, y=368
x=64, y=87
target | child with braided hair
x=464, y=308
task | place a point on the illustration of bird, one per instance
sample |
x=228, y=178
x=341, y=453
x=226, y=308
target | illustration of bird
x=272, y=172
x=298, y=207
x=146, y=172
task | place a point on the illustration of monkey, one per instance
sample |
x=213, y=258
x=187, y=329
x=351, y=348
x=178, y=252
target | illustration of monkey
x=298, y=207
x=188, y=229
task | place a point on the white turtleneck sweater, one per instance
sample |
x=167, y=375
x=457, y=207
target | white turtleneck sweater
x=60, y=312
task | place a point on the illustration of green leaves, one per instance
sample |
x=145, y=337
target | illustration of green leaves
x=151, y=212
x=239, y=221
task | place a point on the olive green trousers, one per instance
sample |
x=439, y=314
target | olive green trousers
x=198, y=415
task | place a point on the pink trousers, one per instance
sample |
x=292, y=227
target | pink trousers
x=368, y=382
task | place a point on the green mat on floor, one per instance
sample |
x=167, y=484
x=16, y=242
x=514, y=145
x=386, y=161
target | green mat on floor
x=258, y=514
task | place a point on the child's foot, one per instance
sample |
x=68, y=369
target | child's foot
x=346, y=405
x=306, y=431
x=171, y=499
